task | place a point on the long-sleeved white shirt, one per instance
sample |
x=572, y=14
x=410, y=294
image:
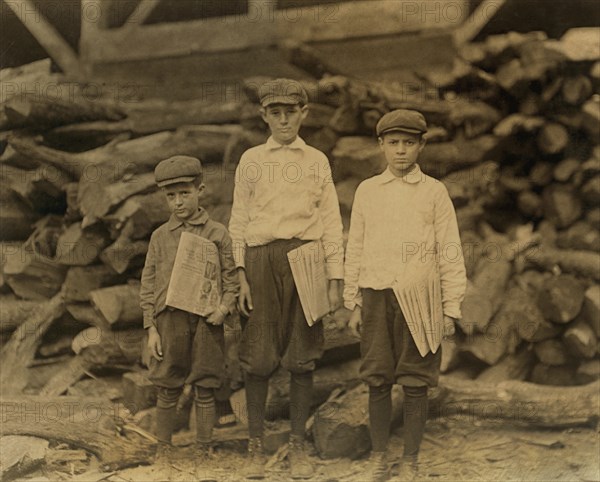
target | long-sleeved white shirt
x=285, y=192
x=398, y=225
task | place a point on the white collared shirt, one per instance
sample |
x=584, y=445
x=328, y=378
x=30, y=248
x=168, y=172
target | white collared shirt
x=397, y=225
x=285, y=192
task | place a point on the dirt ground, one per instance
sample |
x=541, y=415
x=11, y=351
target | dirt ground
x=457, y=449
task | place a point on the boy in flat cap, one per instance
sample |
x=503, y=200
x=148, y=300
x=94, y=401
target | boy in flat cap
x=185, y=348
x=283, y=198
x=405, y=281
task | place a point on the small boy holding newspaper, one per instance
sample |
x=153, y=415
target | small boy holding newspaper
x=187, y=342
x=405, y=281
x=283, y=198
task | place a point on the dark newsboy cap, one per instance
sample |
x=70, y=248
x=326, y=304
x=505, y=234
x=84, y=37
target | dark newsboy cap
x=402, y=120
x=177, y=169
x=282, y=91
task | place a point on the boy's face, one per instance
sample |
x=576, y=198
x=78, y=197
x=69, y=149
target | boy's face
x=401, y=151
x=183, y=199
x=284, y=120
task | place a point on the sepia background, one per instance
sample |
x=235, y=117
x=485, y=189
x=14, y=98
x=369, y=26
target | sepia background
x=94, y=93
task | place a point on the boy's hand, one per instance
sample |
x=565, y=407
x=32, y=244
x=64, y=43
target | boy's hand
x=449, y=327
x=217, y=317
x=154, y=343
x=245, y=298
x=355, y=321
x=334, y=294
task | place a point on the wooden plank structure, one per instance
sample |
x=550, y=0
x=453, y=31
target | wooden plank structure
x=192, y=48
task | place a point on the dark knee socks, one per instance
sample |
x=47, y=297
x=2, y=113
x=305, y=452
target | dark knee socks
x=415, y=417
x=256, y=398
x=205, y=414
x=301, y=387
x=380, y=416
x=166, y=412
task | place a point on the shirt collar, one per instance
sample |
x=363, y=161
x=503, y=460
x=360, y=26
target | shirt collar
x=175, y=222
x=297, y=144
x=413, y=177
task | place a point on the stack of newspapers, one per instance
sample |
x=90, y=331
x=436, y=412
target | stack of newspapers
x=308, y=268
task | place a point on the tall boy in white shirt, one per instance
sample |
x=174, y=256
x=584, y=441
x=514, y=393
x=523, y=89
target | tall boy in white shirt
x=284, y=197
x=403, y=235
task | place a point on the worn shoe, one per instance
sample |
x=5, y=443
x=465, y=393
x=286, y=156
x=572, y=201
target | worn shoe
x=203, y=453
x=377, y=469
x=409, y=468
x=255, y=467
x=300, y=465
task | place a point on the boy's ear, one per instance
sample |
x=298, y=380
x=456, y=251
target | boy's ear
x=304, y=110
x=423, y=141
x=380, y=141
x=201, y=188
x=263, y=113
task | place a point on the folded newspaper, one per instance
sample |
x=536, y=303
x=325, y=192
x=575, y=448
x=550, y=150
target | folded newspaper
x=420, y=299
x=308, y=269
x=195, y=284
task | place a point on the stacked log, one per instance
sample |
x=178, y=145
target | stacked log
x=514, y=136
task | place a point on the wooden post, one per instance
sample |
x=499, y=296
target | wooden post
x=47, y=36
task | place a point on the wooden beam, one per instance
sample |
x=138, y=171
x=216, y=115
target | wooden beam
x=477, y=20
x=47, y=36
x=140, y=14
x=264, y=26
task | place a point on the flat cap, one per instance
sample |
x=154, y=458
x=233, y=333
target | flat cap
x=177, y=169
x=402, y=120
x=282, y=91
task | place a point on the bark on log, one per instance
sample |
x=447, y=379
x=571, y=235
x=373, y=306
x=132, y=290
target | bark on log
x=577, y=89
x=520, y=403
x=555, y=376
x=143, y=212
x=553, y=138
x=96, y=349
x=81, y=280
x=30, y=271
x=97, y=198
x=581, y=340
x=500, y=336
x=89, y=423
x=42, y=189
x=16, y=217
x=122, y=255
x=579, y=263
x=591, y=308
x=484, y=295
x=565, y=169
x=118, y=303
x=152, y=118
x=14, y=312
x=562, y=205
x=79, y=246
x=552, y=352
x=20, y=349
x=85, y=313
x=120, y=157
x=45, y=112
x=561, y=298
x=515, y=366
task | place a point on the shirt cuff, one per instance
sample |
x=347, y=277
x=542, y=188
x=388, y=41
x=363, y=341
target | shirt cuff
x=148, y=320
x=352, y=304
x=452, y=309
x=334, y=270
x=239, y=255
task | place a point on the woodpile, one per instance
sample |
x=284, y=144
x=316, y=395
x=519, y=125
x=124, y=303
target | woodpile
x=514, y=136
